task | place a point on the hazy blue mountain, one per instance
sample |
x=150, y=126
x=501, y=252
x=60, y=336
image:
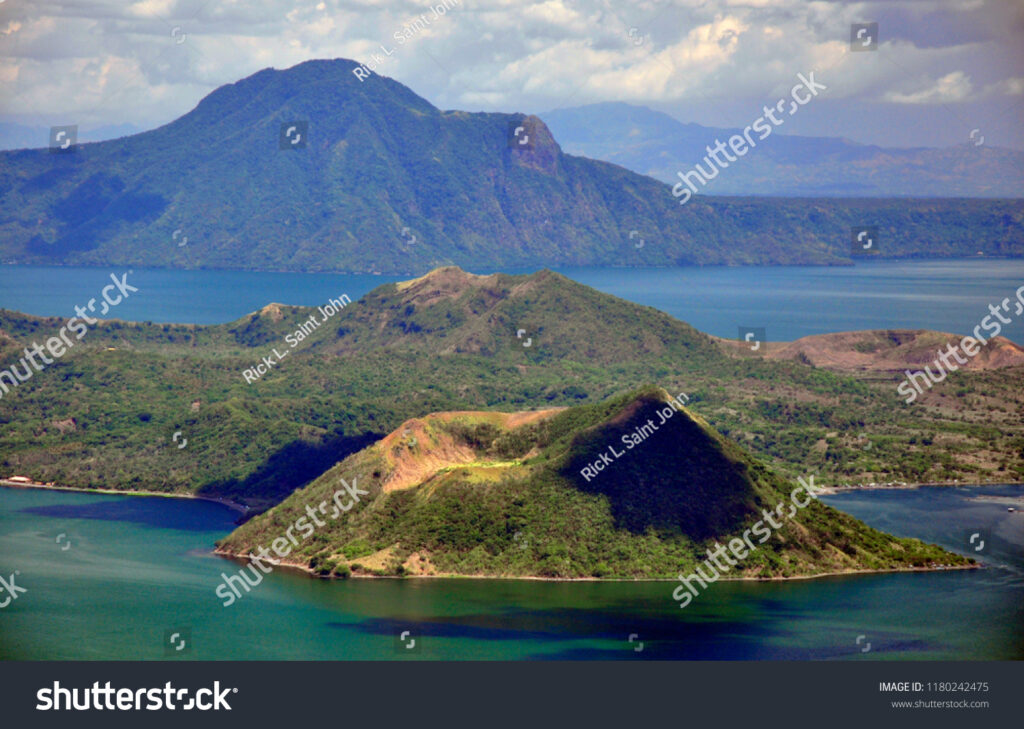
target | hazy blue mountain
x=653, y=143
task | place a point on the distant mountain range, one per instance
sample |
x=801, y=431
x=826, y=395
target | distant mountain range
x=653, y=143
x=312, y=169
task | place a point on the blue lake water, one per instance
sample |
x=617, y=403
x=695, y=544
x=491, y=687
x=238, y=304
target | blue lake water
x=788, y=301
x=130, y=571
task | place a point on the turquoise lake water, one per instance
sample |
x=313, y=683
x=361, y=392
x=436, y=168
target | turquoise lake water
x=140, y=569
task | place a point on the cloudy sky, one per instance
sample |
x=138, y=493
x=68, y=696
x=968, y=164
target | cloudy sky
x=942, y=68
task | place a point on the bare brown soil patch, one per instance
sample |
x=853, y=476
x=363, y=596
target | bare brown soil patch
x=416, y=452
x=882, y=350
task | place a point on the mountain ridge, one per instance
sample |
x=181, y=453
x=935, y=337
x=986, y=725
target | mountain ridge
x=454, y=341
x=497, y=496
x=375, y=178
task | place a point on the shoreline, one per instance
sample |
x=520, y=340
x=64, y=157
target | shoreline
x=234, y=506
x=304, y=568
x=245, y=510
x=900, y=486
x=235, y=557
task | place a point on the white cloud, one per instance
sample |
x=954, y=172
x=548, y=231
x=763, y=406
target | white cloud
x=1006, y=87
x=954, y=86
x=151, y=8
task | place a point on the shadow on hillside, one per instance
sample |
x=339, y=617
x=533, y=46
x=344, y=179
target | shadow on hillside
x=287, y=469
x=675, y=480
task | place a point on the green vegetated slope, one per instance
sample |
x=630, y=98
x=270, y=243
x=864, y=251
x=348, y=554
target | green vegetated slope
x=482, y=494
x=387, y=182
x=104, y=415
